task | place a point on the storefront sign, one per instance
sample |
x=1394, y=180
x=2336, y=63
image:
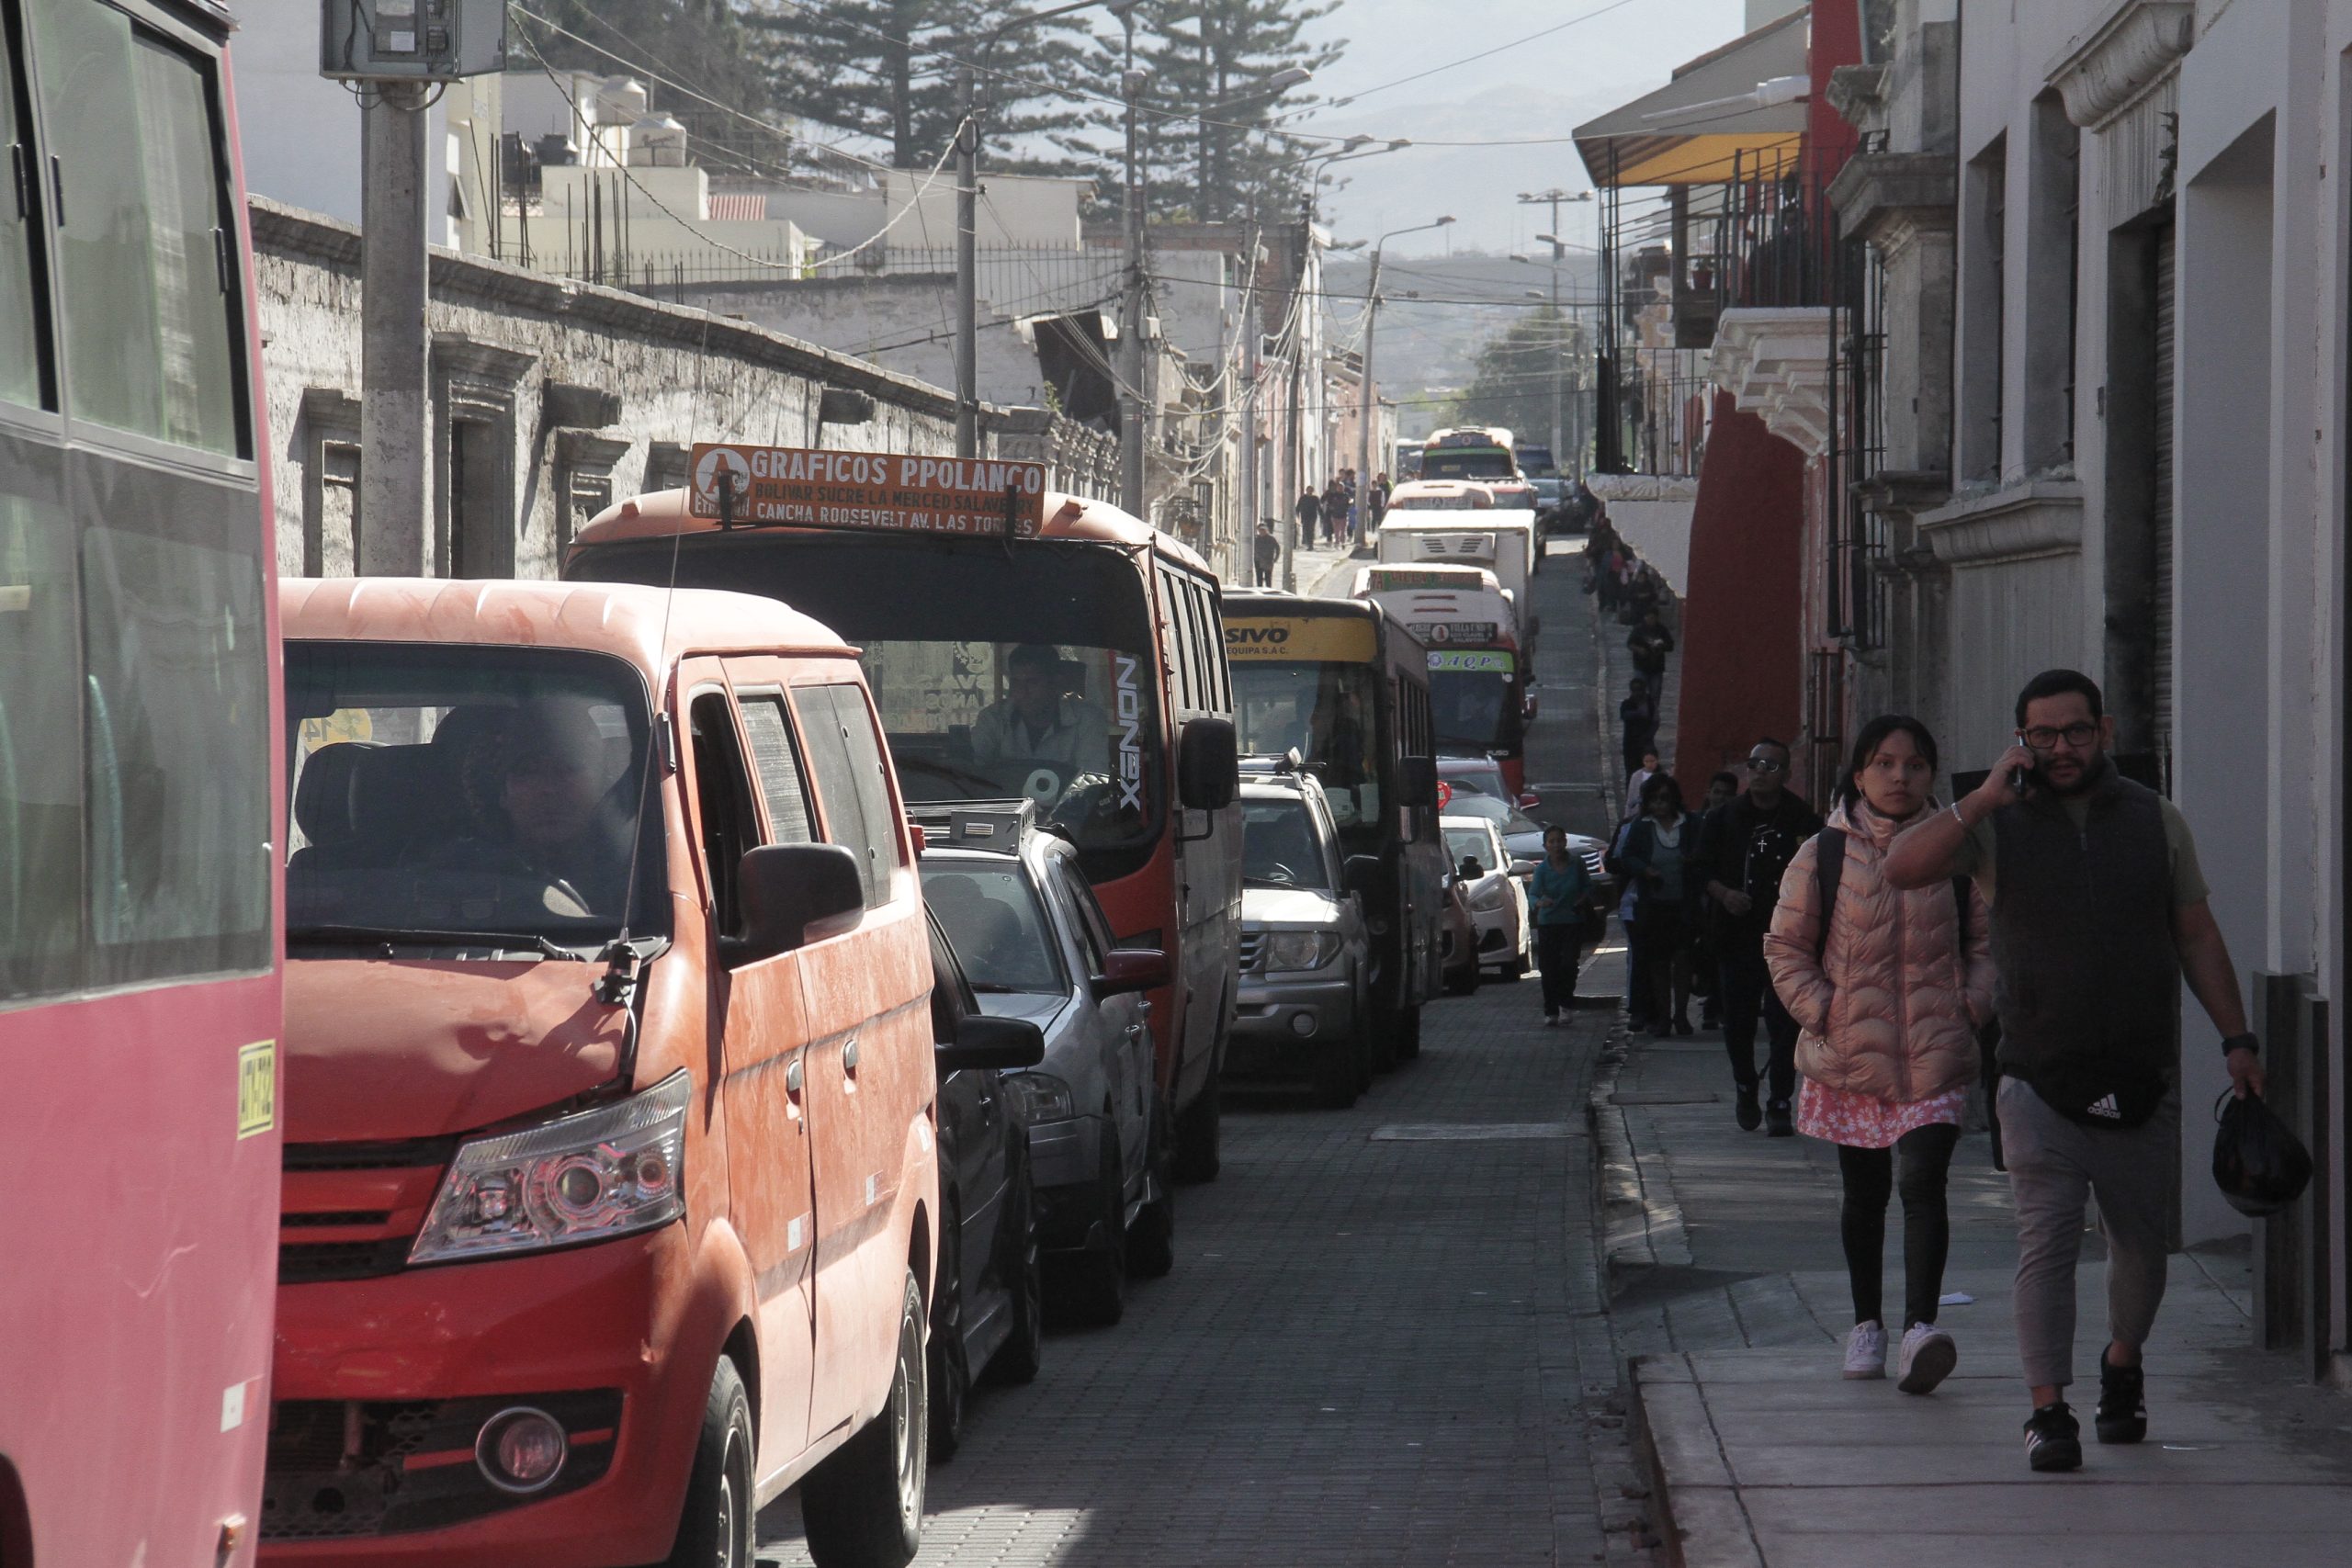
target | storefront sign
x=867, y=490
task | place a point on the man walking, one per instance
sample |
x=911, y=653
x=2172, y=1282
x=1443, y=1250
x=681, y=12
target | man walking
x=1650, y=643
x=1744, y=847
x=1379, y=507
x=1269, y=550
x=2100, y=910
x=1638, y=718
x=1308, y=511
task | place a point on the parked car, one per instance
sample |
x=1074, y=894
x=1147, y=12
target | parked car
x=1302, y=1013
x=1036, y=945
x=1497, y=901
x=1458, y=939
x=609, y=1084
x=1483, y=775
x=988, y=1306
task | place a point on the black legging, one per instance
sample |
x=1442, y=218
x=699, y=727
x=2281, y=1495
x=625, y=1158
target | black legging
x=1926, y=1225
x=1555, y=956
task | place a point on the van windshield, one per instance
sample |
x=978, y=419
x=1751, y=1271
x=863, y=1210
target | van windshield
x=468, y=792
x=998, y=671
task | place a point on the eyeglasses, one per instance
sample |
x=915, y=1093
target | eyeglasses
x=2043, y=738
x=1766, y=765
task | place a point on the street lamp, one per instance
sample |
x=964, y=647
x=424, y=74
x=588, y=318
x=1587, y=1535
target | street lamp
x=1364, y=392
x=968, y=196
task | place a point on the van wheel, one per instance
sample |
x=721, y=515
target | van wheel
x=1152, y=1243
x=1387, y=1022
x=1098, y=1277
x=1462, y=985
x=1198, y=1136
x=715, y=1526
x=1023, y=1350
x=862, y=1507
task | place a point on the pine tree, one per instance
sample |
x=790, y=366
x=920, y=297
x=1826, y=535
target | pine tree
x=1205, y=130
x=888, y=70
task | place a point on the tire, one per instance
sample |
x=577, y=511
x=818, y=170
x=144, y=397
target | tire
x=1018, y=1359
x=1097, y=1291
x=862, y=1507
x=1387, y=1024
x=948, y=1379
x=1152, y=1243
x=1199, y=1133
x=1408, y=1033
x=1335, y=1075
x=715, y=1526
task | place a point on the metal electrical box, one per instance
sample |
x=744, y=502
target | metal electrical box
x=410, y=41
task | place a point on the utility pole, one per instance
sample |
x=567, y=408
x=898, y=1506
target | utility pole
x=968, y=323
x=1364, y=392
x=394, y=537
x=1131, y=408
x=1254, y=504
x=1551, y=198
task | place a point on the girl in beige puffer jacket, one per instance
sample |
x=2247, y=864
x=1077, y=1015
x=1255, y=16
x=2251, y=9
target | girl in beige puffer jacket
x=1889, y=1006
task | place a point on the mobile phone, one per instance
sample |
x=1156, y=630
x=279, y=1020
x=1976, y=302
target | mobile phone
x=2021, y=779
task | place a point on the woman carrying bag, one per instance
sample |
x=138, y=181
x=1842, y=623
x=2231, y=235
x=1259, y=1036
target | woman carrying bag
x=1889, y=988
x=1661, y=856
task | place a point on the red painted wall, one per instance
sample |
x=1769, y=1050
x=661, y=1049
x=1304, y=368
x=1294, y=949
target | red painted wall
x=1742, y=656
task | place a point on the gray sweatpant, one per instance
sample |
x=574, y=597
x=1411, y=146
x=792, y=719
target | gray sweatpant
x=2056, y=1165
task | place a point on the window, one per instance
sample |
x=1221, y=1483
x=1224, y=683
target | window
x=583, y=481
x=777, y=763
x=1983, y=303
x=177, y=745
x=1093, y=929
x=41, y=745
x=851, y=781
x=1171, y=641
x=723, y=802
x=990, y=913
x=143, y=252
x=23, y=312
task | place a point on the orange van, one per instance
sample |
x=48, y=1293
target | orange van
x=610, y=1189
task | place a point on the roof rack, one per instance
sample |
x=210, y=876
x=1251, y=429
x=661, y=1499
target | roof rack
x=975, y=825
x=1288, y=763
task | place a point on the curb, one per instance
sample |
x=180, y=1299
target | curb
x=1701, y=1523
x=1642, y=1223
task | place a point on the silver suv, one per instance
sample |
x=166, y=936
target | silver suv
x=1302, y=1014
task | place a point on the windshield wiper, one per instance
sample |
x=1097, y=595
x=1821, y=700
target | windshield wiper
x=389, y=936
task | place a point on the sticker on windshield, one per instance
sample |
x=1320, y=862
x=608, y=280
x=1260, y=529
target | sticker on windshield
x=1476, y=662
x=257, y=1087
x=1130, y=732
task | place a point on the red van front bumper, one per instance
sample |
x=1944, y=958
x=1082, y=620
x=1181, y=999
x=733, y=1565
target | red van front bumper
x=381, y=1385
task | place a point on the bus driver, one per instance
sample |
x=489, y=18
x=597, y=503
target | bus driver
x=1037, y=721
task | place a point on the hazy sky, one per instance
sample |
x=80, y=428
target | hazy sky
x=1541, y=89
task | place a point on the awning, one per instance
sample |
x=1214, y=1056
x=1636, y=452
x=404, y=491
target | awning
x=1652, y=514
x=1684, y=134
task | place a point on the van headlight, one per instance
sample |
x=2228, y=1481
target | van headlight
x=603, y=1173
x=1292, y=950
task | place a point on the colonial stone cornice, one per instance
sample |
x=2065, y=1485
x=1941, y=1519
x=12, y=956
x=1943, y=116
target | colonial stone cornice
x=2122, y=57
x=1858, y=92
x=1775, y=363
x=1904, y=492
x=2035, y=517
x=1876, y=192
x=1642, y=486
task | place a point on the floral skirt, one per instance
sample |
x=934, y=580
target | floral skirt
x=1863, y=1121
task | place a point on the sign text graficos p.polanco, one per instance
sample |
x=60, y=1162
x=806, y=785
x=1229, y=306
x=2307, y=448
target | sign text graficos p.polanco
x=797, y=487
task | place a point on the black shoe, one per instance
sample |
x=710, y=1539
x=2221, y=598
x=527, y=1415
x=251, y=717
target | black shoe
x=2122, y=1402
x=1682, y=1026
x=2053, y=1440
x=1750, y=1113
x=1777, y=1123
x=1710, y=1019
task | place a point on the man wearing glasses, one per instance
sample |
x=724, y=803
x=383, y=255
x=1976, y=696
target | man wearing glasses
x=2101, y=910
x=1744, y=847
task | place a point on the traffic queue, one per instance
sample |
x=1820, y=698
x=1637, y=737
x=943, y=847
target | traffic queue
x=740, y=994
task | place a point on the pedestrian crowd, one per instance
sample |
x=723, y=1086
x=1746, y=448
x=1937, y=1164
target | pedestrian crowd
x=1332, y=517
x=2023, y=940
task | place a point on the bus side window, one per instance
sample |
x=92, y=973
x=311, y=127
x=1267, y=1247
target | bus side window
x=1171, y=645
x=777, y=762
x=1213, y=690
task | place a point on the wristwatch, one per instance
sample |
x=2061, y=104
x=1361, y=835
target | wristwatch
x=2248, y=1041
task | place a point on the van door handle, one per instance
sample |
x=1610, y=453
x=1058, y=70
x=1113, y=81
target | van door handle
x=849, y=1055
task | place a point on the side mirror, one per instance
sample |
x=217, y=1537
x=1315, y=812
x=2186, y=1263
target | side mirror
x=1127, y=969
x=985, y=1041
x=1470, y=869
x=797, y=894
x=1417, y=781
x=1362, y=876
x=1208, y=765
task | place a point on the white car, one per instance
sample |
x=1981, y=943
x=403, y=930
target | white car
x=1498, y=900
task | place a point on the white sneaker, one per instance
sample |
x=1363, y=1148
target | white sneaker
x=1866, y=1350
x=1927, y=1357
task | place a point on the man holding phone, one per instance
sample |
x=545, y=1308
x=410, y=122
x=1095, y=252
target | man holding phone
x=2100, y=910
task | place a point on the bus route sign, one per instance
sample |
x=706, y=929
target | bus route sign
x=1452, y=631
x=1471, y=661
x=880, y=491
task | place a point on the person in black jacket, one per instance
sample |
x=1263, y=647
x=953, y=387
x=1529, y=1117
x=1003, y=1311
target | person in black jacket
x=1659, y=860
x=2099, y=910
x=1309, y=513
x=1650, y=643
x=1746, y=847
x=1637, y=716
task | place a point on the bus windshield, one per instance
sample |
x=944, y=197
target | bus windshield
x=1326, y=712
x=1468, y=463
x=998, y=671
x=481, y=793
x=1472, y=697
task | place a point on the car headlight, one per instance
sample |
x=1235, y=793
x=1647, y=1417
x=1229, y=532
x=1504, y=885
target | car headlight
x=1301, y=949
x=1491, y=896
x=1039, y=1096
x=604, y=1173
